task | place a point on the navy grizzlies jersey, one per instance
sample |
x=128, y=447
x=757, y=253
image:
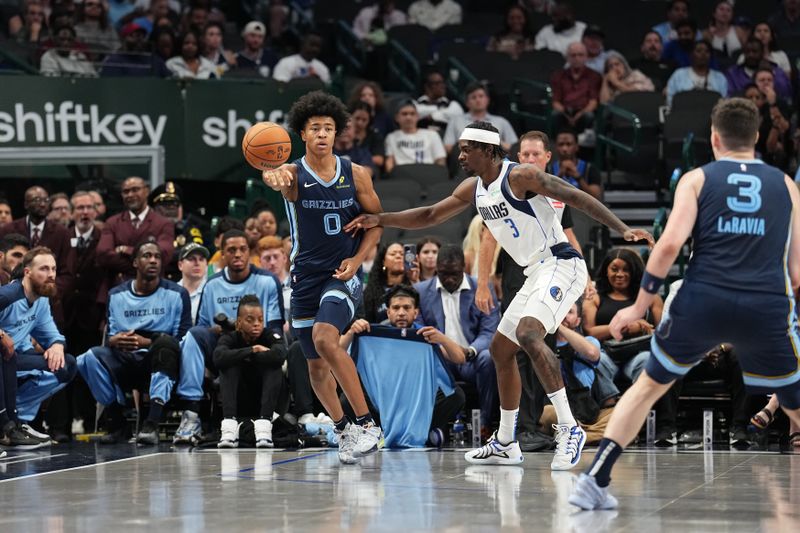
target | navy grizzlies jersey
x=741, y=236
x=317, y=219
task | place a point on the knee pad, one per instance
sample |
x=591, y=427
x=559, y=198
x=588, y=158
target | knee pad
x=166, y=355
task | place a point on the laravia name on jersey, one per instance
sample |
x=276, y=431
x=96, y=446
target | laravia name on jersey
x=741, y=225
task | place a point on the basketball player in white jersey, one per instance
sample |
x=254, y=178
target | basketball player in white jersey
x=513, y=201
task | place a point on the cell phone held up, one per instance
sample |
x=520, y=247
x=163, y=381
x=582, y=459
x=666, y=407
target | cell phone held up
x=409, y=256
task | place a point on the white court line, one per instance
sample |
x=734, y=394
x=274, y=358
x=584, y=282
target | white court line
x=31, y=459
x=20, y=456
x=81, y=467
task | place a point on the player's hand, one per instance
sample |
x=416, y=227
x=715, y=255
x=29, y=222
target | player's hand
x=359, y=326
x=347, y=269
x=623, y=319
x=483, y=299
x=277, y=179
x=54, y=357
x=142, y=342
x=638, y=235
x=432, y=335
x=259, y=348
x=7, y=346
x=364, y=221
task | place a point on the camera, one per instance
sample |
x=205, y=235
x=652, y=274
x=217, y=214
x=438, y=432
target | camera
x=222, y=320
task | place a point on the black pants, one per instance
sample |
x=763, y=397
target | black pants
x=241, y=386
x=533, y=398
x=730, y=371
x=299, y=382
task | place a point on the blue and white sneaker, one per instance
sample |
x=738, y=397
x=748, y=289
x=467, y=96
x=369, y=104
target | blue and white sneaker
x=569, y=443
x=494, y=453
x=369, y=441
x=589, y=496
x=347, y=442
x=190, y=431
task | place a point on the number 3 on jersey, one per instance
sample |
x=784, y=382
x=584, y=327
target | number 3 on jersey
x=749, y=198
x=513, y=227
x=332, y=223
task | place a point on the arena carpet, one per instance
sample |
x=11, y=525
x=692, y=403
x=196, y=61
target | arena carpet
x=89, y=488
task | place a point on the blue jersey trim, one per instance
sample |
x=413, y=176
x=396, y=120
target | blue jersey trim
x=519, y=205
x=320, y=180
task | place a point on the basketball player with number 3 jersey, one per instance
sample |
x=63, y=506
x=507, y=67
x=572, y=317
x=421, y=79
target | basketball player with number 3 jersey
x=514, y=202
x=739, y=287
x=322, y=194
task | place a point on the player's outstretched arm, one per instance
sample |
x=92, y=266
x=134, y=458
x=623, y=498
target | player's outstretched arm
x=282, y=179
x=678, y=229
x=370, y=203
x=420, y=217
x=528, y=178
x=794, y=244
x=486, y=252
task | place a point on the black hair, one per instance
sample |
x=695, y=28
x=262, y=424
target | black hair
x=568, y=131
x=687, y=22
x=141, y=244
x=376, y=287
x=227, y=223
x=495, y=149
x=361, y=106
x=635, y=266
x=260, y=205
x=450, y=253
x=317, y=104
x=527, y=32
x=185, y=35
x=231, y=234
x=773, y=42
x=248, y=300
x=402, y=290
x=11, y=240
x=475, y=86
x=673, y=2
x=648, y=32
x=428, y=239
x=755, y=41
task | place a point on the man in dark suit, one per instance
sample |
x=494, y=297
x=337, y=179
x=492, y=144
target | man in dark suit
x=447, y=302
x=122, y=232
x=83, y=315
x=43, y=232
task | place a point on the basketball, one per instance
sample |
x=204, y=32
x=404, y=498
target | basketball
x=266, y=145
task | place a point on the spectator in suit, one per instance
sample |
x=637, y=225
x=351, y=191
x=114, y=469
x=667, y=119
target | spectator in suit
x=43, y=232
x=576, y=90
x=60, y=209
x=650, y=63
x=83, y=315
x=447, y=303
x=99, y=206
x=124, y=231
x=13, y=248
x=5, y=212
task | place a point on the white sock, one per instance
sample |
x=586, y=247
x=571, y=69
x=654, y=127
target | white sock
x=563, y=412
x=508, y=425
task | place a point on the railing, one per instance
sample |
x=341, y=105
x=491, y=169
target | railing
x=606, y=141
x=403, y=67
x=459, y=76
x=349, y=48
x=542, y=103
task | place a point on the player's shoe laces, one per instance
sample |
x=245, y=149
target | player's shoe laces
x=229, y=433
x=347, y=442
x=589, y=496
x=263, y=431
x=494, y=453
x=148, y=434
x=569, y=443
x=189, y=431
x=370, y=440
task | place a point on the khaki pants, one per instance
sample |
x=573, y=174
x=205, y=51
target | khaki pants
x=594, y=432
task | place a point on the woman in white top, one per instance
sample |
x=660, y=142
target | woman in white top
x=720, y=31
x=190, y=64
x=763, y=32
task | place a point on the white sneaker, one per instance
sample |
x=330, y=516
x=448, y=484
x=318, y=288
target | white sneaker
x=190, y=430
x=38, y=435
x=307, y=418
x=589, y=496
x=569, y=443
x=494, y=453
x=370, y=440
x=263, y=431
x=229, y=434
x=347, y=443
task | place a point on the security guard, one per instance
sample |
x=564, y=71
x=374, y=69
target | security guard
x=166, y=200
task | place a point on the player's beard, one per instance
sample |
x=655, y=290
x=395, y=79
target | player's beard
x=46, y=289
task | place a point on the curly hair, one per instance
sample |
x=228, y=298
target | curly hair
x=377, y=281
x=635, y=266
x=317, y=104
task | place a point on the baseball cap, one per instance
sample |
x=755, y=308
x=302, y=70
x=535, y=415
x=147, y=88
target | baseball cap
x=131, y=27
x=594, y=30
x=191, y=248
x=256, y=27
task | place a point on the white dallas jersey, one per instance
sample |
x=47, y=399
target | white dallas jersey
x=528, y=230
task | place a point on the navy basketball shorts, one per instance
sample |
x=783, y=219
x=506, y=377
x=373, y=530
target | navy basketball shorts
x=322, y=298
x=762, y=327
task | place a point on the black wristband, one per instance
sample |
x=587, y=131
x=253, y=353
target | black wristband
x=651, y=283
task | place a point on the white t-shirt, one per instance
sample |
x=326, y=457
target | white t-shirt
x=423, y=146
x=549, y=39
x=295, y=66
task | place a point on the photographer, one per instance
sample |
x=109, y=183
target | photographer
x=249, y=358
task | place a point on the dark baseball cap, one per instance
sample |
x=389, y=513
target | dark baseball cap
x=192, y=248
x=594, y=30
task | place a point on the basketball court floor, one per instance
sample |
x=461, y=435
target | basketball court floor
x=90, y=488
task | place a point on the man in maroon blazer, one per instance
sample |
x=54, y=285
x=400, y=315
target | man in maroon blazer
x=83, y=315
x=125, y=230
x=43, y=232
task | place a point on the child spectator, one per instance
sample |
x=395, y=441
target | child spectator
x=249, y=356
x=409, y=144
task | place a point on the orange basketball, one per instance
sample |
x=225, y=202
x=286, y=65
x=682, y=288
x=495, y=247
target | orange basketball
x=266, y=145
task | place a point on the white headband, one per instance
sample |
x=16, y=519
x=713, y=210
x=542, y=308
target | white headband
x=481, y=136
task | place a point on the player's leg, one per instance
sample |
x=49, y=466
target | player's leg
x=37, y=382
x=197, y=348
x=100, y=368
x=164, y=362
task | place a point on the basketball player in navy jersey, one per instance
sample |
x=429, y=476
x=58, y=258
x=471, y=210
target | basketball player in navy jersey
x=323, y=193
x=515, y=202
x=744, y=222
